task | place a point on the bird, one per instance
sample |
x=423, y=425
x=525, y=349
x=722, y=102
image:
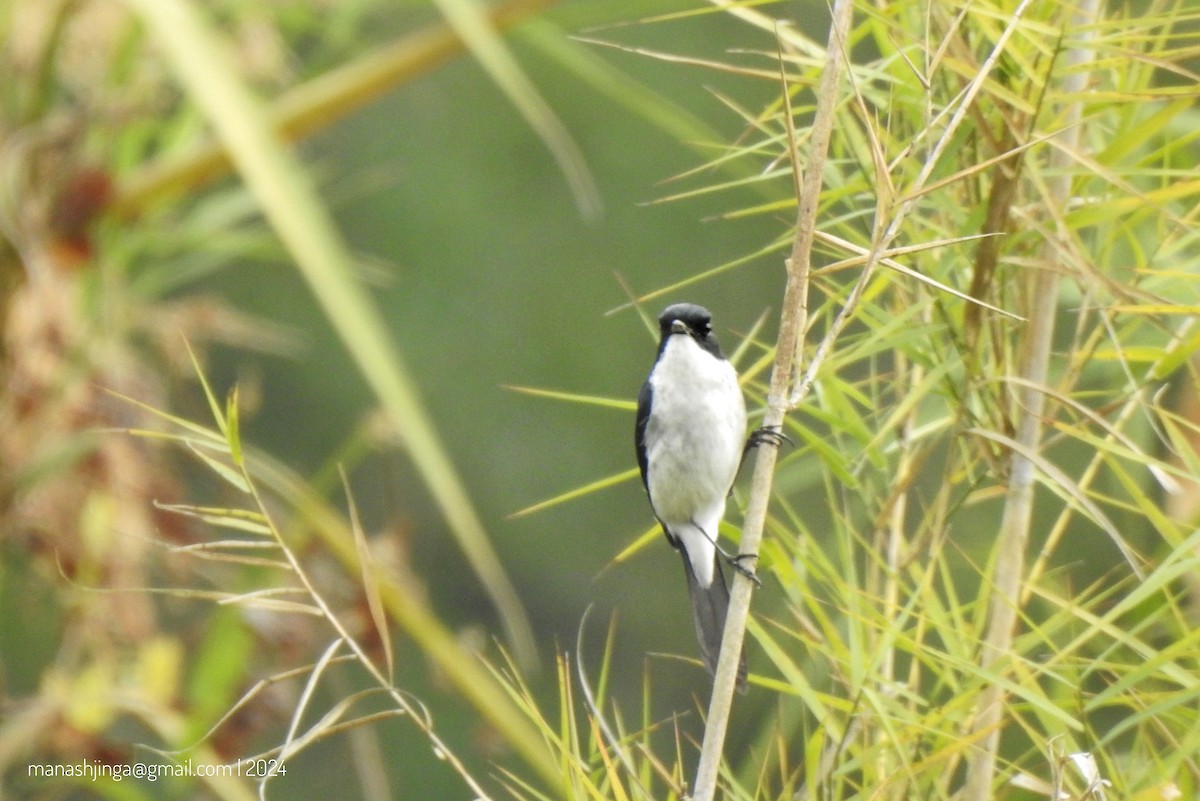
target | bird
x=690, y=438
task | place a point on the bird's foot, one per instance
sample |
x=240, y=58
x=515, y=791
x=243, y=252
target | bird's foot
x=768, y=435
x=736, y=563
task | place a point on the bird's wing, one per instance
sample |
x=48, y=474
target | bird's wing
x=639, y=430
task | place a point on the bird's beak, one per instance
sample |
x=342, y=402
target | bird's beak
x=680, y=327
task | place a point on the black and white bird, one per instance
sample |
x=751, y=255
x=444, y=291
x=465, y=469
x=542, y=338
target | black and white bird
x=690, y=435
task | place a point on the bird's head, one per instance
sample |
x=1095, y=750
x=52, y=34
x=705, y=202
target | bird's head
x=690, y=320
x=685, y=318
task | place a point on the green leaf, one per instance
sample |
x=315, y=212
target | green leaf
x=572, y=397
x=578, y=492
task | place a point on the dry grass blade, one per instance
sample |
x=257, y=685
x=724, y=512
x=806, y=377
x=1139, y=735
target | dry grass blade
x=236, y=519
x=718, y=66
x=332, y=724
x=246, y=698
x=290, y=743
x=233, y=552
x=268, y=600
x=888, y=259
x=370, y=583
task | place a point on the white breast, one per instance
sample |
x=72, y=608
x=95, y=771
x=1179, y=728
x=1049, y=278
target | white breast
x=694, y=442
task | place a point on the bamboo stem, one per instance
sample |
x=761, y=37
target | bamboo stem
x=1033, y=367
x=793, y=320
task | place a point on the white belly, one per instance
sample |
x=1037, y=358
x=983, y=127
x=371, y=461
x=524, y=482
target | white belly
x=694, y=442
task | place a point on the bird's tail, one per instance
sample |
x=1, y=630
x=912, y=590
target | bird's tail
x=709, y=607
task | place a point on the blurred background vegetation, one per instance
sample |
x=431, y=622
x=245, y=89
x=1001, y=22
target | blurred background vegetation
x=497, y=201
x=472, y=246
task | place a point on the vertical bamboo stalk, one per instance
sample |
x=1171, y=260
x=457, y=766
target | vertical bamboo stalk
x=1033, y=368
x=792, y=323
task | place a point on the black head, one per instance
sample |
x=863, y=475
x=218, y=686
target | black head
x=688, y=319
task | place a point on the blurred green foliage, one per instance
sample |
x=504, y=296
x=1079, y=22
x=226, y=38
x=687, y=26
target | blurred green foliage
x=443, y=194
x=472, y=248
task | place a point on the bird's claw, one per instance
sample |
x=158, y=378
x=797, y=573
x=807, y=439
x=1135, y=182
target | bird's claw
x=736, y=563
x=769, y=435
x=766, y=435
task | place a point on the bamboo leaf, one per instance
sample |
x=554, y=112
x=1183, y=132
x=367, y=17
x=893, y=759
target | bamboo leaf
x=1058, y=481
x=578, y=492
x=572, y=397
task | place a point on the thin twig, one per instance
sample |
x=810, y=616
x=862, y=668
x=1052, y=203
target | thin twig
x=1033, y=368
x=792, y=323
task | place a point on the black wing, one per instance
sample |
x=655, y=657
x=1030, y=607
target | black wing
x=639, y=430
